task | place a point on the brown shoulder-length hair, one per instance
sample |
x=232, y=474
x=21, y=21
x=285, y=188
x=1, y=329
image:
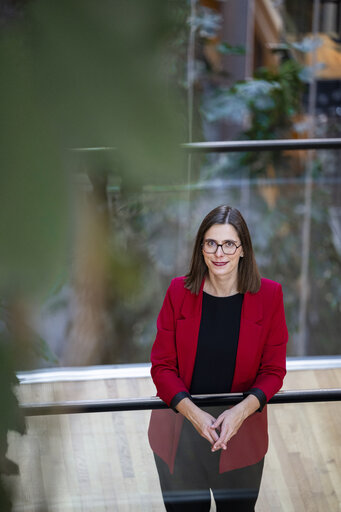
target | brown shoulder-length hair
x=248, y=273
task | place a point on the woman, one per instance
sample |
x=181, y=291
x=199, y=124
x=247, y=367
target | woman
x=221, y=329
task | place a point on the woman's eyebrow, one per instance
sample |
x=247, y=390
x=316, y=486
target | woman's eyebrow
x=223, y=242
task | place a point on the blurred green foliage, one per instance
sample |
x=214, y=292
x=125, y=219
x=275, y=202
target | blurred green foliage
x=268, y=104
x=78, y=75
x=228, y=49
x=272, y=117
x=11, y=417
x=74, y=75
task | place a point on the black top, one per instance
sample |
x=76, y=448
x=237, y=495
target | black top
x=217, y=344
x=217, y=348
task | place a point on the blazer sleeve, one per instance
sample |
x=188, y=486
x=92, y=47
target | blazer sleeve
x=272, y=367
x=164, y=370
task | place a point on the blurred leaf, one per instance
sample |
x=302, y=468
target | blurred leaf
x=308, y=73
x=42, y=350
x=236, y=102
x=228, y=49
x=224, y=105
x=252, y=89
x=207, y=21
x=308, y=44
x=13, y=419
x=11, y=416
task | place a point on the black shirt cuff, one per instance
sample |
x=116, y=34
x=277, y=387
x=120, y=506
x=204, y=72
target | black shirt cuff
x=258, y=393
x=178, y=397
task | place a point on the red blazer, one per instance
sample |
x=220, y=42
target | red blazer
x=260, y=363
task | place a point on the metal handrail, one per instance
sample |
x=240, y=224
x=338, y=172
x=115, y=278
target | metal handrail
x=149, y=403
x=242, y=145
x=261, y=145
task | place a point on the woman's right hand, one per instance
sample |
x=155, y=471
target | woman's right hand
x=201, y=420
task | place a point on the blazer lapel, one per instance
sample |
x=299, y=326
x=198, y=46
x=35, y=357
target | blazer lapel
x=187, y=332
x=249, y=336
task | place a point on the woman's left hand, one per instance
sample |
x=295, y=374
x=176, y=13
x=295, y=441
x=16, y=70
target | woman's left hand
x=228, y=424
x=230, y=421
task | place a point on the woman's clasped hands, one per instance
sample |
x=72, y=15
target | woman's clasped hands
x=218, y=431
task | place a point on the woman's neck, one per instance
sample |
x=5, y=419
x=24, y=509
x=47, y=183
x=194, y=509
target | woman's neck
x=221, y=287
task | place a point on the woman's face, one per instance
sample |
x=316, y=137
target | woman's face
x=218, y=263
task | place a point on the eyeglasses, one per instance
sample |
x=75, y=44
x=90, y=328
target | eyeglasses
x=228, y=247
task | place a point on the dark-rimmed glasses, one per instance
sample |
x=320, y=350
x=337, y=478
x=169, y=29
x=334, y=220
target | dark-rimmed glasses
x=228, y=247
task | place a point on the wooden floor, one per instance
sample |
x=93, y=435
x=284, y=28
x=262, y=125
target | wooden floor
x=102, y=462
